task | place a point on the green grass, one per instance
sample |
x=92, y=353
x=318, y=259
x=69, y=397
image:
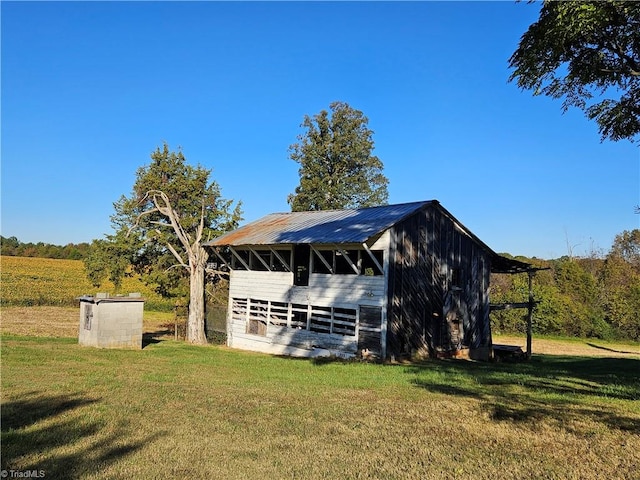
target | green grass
x=173, y=410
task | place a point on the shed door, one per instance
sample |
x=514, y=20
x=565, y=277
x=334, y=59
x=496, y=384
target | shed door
x=88, y=315
x=452, y=321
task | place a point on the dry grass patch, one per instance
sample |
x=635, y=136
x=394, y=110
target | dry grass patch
x=574, y=346
x=65, y=321
x=40, y=321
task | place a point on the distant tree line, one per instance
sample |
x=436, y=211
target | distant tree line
x=595, y=296
x=15, y=248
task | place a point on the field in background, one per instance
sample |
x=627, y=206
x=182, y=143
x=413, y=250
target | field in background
x=27, y=281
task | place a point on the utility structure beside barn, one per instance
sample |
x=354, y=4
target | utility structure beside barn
x=388, y=282
x=111, y=322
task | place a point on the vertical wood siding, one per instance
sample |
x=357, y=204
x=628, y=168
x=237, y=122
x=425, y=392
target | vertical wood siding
x=428, y=255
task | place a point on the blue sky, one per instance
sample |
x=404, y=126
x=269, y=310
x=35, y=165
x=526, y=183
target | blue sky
x=90, y=89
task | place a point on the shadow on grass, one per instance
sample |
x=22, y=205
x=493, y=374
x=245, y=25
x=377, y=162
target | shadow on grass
x=150, y=338
x=546, y=388
x=66, y=443
x=326, y=360
x=600, y=347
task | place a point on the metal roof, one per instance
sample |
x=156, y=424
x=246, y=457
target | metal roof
x=323, y=226
x=344, y=226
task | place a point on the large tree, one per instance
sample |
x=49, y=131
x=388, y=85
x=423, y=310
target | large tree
x=337, y=168
x=621, y=284
x=159, y=230
x=578, y=51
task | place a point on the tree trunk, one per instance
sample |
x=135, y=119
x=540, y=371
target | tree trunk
x=195, y=321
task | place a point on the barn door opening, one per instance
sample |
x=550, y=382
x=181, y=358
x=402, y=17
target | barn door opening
x=370, y=331
x=452, y=328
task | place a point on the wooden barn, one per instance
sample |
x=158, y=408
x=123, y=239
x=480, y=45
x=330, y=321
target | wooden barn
x=387, y=282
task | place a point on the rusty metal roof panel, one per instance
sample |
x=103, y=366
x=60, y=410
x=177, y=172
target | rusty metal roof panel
x=318, y=227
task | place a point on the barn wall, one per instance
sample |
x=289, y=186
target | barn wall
x=438, y=288
x=326, y=295
x=324, y=290
x=256, y=284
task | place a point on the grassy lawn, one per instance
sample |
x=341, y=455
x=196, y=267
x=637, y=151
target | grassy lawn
x=173, y=410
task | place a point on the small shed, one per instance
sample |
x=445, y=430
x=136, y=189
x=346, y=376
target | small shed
x=111, y=322
x=389, y=281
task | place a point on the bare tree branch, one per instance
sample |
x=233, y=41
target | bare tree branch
x=168, y=211
x=176, y=255
x=174, y=266
x=212, y=271
x=136, y=223
x=162, y=224
x=201, y=224
x=162, y=205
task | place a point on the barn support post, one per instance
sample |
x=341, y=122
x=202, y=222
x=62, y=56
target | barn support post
x=530, y=307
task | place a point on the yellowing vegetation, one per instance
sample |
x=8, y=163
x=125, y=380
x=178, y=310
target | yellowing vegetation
x=28, y=281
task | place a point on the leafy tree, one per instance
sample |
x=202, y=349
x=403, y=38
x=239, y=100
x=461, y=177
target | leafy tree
x=579, y=49
x=627, y=246
x=9, y=246
x=337, y=168
x=581, y=313
x=621, y=284
x=507, y=288
x=585, y=297
x=160, y=228
x=112, y=258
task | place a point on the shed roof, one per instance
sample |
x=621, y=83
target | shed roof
x=343, y=226
x=318, y=227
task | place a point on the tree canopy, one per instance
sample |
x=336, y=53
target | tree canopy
x=580, y=51
x=587, y=297
x=337, y=168
x=159, y=230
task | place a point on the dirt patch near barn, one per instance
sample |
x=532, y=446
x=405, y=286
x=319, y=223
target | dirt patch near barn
x=587, y=347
